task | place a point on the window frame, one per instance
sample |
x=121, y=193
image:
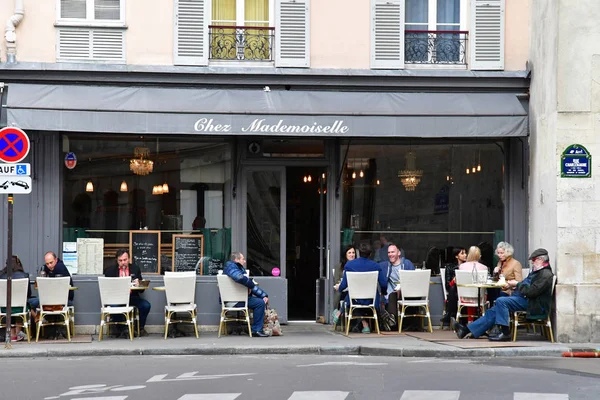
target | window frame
x=432, y=16
x=89, y=20
x=240, y=13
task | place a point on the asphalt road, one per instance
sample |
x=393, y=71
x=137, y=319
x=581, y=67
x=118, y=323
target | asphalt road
x=298, y=378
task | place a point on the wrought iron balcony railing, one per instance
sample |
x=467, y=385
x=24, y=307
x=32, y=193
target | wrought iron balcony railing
x=435, y=47
x=239, y=43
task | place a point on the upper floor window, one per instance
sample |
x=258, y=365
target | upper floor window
x=241, y=30
x=433, y=33
x=92, y=11
x=90, y=31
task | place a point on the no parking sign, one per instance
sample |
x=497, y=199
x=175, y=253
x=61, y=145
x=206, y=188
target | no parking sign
x=14, y=145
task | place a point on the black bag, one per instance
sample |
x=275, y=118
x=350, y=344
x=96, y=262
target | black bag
x=387, y=321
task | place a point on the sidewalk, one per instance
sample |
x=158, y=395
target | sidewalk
x=299, y=338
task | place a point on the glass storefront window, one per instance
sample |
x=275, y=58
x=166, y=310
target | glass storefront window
x=171, y=184
x=426, y=198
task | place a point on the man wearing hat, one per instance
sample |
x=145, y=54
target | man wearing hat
x=533, y=294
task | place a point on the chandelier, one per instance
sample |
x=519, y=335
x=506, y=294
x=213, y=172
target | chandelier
x=141, y=165
x=410, y=176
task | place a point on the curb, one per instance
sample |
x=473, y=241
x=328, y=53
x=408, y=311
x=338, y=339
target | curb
x=294, y=350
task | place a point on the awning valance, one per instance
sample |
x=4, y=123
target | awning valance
x=148, y=110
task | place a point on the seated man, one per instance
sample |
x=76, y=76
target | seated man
x=363, y=264
x=257, y=298
x=53, y=267
x=533, y=294
x=391, y=270
x=124, y=268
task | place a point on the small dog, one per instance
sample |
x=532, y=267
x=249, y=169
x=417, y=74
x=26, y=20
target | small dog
x=271, y=323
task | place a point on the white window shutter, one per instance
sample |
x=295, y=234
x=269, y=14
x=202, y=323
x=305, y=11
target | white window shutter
x=91, y=45
x=486, y=34
x=292, y=33
x=387, y=34
x=192, y=18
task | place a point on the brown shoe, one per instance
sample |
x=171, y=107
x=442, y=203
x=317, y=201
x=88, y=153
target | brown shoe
x=143, y=332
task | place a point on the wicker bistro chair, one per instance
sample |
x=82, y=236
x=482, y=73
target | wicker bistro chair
x=114, y=299
x=414, y=290
x=18, y=300
x=362, y=286
x=232, y=294
x=180, y=289
x=467, y=296
x=520, y=319
x=54, y=297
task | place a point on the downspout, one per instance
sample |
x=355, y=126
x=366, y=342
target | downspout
x=10, y=34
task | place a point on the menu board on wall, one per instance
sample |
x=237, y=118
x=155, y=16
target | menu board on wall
x=144, y=247
x=187, y=252
x=90, y=256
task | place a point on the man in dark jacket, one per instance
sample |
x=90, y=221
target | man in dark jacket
x=257, y=298
x=124, y=268
x=533, y=294
x=53, y=267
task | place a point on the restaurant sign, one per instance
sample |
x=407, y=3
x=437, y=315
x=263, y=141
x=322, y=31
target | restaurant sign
x=261, y=125
x=576, y=162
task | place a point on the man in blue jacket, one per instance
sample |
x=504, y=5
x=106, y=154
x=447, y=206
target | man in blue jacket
x=363, y=264
x=257, y=298
x=391, y=270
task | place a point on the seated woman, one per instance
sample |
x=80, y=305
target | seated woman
x=338, y=273
x=472, y=262
x=17, y=333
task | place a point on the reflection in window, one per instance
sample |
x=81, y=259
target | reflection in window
x=182, y=191
x=458, y=199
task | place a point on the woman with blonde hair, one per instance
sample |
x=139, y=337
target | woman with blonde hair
x=472, y=262
x=507, y=266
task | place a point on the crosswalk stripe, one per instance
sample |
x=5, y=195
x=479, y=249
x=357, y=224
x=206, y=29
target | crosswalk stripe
x=210, y=396
x=318, y=395
x=102, y=398
x=430, y=395
x=540, y=396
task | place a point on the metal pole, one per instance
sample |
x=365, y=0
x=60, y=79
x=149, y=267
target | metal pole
x=9, y=263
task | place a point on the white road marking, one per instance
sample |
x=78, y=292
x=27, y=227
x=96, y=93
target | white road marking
x=339, y=363
x=210, y=396
x=540, y=396
x=430, y=395
x=189, y=376
x=102, y=398
x=318, y=395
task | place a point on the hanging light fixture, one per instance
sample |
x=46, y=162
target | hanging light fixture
x=309, y=178
x=468, y=171
x=89, y=187
x=165, y=188
x=140, y=164
x=123, y=187
x=410, y=176
x=353, y=174
x=305, y=179
x=323, y=176
x=473, y=170
x=378, y=182
x=361, y=174
x=479, y=162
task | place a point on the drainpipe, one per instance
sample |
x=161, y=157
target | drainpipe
x=10, y=34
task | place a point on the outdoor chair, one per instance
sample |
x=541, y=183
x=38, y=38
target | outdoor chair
x=232, y=294
x=18, y=301
x=443, y=279
x=114, y=300
x=414, y=290
x=54, y=298
x=520, y=319
x=180, y=289
x=361, y=286
x=467, y=296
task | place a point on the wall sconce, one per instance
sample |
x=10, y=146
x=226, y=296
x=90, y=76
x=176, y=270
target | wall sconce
x=123, y=187
x=89, y=187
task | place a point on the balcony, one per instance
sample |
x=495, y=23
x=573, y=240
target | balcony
x=241, y=43
x=435, y=47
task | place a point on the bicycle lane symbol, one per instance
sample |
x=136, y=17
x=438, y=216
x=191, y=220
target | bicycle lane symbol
x=96, y=389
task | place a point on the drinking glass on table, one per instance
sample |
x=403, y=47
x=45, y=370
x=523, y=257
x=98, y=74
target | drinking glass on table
x=134, y=281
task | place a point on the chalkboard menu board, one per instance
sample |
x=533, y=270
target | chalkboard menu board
x=187, y=252
x=144, y=247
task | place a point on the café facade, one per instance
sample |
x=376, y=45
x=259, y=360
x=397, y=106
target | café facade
x=286, y=166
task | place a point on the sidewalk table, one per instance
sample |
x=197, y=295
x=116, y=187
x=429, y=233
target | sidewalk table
x=479, y=286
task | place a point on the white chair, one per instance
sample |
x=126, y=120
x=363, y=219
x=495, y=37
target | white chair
x=467, y=296
x=520, y=319
x=180, y=289
x=232, y=293
x=362, y=286
x=18, y=300
x=114, y=300
x=414, y=290
x=54, y=297
x=443, y=278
